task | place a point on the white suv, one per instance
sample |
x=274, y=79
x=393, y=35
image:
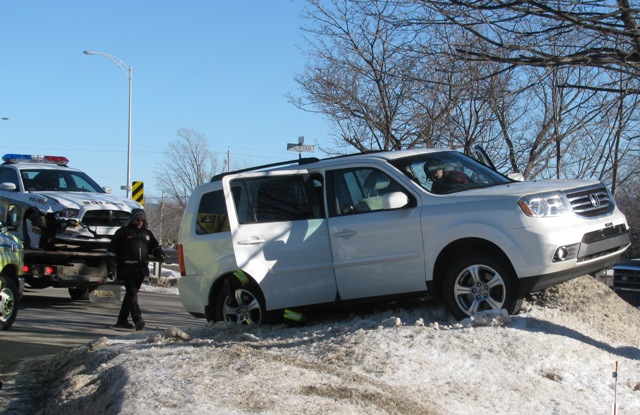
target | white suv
x=384, y=225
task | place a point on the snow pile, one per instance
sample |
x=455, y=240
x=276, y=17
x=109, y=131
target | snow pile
x=556, y=357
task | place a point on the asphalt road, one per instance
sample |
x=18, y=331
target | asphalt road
x=49, y=321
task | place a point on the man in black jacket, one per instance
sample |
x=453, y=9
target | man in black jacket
x=128, y=253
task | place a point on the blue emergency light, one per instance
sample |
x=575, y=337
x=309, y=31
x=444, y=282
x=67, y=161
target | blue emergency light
x=28, y=158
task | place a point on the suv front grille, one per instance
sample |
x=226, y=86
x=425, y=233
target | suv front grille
x=115, y=218
x=590, y=202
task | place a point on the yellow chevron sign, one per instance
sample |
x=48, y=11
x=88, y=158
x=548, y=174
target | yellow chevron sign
x=138, y=192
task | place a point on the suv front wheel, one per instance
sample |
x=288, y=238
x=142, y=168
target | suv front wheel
x=479, y=283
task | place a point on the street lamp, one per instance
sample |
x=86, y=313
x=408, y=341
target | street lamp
x=128, y=72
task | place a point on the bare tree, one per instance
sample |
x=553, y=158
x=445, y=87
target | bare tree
x=164, y=221
x=598, y=39
x=521, y=78
x=188, y=163
x=359, y=75
x=601, y=34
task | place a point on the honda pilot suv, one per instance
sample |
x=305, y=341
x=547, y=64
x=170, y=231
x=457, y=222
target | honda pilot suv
x=256, y=243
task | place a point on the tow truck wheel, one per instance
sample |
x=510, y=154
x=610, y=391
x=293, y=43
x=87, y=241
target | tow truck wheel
x=80, y=293
x=8, y=303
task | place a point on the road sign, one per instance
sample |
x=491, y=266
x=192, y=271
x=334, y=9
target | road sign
x=300, y=148
x=138, y=192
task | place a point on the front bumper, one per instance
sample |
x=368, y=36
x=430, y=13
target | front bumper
x=598, y=250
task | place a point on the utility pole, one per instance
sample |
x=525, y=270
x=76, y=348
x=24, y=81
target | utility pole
x=161, y=218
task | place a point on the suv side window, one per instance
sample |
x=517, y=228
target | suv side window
x=360, y=190
x=277, y=198
x=212, y=214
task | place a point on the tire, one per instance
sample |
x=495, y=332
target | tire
x=8, y=303
x=79, y=293
x=478, y=283
x=240, y=304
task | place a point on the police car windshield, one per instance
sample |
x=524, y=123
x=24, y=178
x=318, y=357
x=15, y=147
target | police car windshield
x=47, y=180
x=448, y=172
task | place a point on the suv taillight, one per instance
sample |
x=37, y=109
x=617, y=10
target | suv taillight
x=183, y=271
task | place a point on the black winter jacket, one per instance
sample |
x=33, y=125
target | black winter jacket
x=129, y=251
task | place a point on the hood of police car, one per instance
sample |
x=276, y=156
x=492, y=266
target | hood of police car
x=53, y=201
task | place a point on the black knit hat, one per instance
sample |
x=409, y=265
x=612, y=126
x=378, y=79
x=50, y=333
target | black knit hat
x=138, y=214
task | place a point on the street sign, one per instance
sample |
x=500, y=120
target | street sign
x=300, y=148
x=138, y=192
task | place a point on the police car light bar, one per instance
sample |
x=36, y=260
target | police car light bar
x=28, y=158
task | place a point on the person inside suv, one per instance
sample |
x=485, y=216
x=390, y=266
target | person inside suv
x=443, y=180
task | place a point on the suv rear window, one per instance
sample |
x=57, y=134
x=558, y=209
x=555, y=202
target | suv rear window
x=275, y=199
x=212, y=214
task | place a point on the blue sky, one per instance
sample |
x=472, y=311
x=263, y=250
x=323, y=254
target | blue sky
x=219, y=67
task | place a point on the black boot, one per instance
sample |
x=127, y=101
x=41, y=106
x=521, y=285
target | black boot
x=123, y=325
x=140, y=324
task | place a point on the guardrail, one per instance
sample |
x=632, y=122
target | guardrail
x=172, y=258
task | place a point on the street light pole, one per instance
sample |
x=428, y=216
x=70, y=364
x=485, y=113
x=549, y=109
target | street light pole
x=128, y=72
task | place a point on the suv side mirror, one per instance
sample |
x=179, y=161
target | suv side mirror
x=107, y=190
x=395, y=200
x=518, y=177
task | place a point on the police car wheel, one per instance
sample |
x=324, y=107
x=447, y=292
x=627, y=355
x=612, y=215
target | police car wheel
x=8, y=303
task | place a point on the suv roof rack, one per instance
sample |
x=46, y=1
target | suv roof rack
x=300, y=161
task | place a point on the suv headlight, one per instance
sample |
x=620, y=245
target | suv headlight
x=545, y=205
x=67, y=214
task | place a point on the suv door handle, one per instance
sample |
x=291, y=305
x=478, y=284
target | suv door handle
x=347, y=233
x=253, y=241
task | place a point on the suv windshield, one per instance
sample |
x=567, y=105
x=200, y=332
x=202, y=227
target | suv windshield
x=58, y=180
x=448, y=172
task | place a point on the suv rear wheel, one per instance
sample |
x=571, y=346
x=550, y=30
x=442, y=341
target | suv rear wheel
x=479, y=283
x=240, y=304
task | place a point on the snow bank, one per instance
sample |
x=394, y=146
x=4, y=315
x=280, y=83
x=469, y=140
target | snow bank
x=556, y=357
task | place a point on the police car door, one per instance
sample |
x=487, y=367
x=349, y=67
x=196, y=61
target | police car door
x=280, y=236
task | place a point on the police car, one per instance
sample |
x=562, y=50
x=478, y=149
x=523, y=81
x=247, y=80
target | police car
x=52, y=206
